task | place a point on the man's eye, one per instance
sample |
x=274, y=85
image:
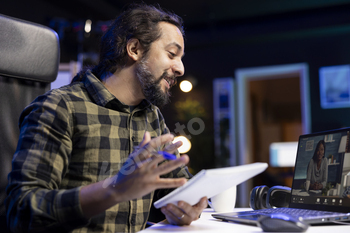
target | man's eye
x=172, y=54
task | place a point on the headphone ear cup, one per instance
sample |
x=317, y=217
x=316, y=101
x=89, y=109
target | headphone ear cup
x=258, y=197
x=253, y=197
x=278, y=196
x=262, y=195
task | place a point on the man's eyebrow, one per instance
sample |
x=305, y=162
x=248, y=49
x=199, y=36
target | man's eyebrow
x=178, y=47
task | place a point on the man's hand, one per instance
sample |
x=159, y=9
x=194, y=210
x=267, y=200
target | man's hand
x=140, y=174
x=184, y=213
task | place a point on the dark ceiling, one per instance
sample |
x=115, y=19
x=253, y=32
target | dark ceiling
x=199, y=15
x=196, y=13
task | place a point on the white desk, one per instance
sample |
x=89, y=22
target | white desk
x=209, y=224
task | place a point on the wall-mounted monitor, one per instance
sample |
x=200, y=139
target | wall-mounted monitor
x=335, y=86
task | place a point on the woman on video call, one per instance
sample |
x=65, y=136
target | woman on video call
x=317, y=171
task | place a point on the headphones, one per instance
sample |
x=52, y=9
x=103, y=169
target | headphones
x=263, y=197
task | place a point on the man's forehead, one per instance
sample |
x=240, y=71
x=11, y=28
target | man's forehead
x=171, y=35
x=169, y=26
x=169, y=30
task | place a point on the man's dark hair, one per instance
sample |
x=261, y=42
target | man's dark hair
x=138, y=21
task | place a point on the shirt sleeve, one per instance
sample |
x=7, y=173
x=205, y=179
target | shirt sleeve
x=35, y=202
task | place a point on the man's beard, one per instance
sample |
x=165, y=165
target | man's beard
x=151, y=87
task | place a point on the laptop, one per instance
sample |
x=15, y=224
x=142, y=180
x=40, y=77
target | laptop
x=330, y=204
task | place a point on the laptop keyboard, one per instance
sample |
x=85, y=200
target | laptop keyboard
x=304, y=213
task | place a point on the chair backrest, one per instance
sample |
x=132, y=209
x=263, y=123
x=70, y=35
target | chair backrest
x=29, y=59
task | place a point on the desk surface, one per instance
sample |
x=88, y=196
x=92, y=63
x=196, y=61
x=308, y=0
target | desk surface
x=209, y=224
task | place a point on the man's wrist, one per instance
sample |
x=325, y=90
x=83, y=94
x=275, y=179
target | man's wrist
x=96, y=198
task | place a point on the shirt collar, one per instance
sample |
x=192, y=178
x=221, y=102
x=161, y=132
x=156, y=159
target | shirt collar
x=103, y=97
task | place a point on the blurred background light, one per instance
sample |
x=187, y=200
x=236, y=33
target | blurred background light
x=186, y=86
x=87, y=27
x=186, y=144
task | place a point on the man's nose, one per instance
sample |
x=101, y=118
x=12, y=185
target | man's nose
x=178, y=68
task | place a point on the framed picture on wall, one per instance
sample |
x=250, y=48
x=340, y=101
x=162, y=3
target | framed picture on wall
x=335, y=86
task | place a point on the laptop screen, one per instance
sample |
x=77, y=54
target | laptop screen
x=322, y=172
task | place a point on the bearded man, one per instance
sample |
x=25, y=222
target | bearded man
x=87, y=157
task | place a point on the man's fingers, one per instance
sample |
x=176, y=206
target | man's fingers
x=146, y=139
x=171, y=217
x=174, y=213
x=170, y=165
x=170, y=182
x=158, y=142
x=203, y=203
x=194, y=211
x=153, y=161
x=148, y=146
x=171, y=148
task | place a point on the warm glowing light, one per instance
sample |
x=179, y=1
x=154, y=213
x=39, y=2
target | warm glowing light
x=186, y=144
x=186, y=86
x=88, y=26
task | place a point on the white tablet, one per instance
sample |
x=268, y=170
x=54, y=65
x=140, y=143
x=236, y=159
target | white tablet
x=209, y=182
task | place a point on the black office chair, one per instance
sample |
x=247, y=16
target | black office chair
x=29, y=59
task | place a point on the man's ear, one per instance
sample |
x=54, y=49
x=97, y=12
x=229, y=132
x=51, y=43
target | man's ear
x=134, y=49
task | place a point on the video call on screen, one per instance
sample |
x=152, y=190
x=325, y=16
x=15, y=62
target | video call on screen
x=337, y=155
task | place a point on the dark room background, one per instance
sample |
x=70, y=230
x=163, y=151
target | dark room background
x=221, y=37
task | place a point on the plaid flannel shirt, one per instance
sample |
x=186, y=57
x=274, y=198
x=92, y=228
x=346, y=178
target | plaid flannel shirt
x=71, y=137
